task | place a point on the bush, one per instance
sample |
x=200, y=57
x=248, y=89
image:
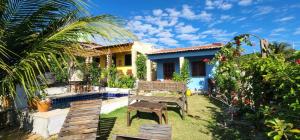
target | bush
x=125, y=81
x=141, y=67
x=95, y=73
x=266, y=86
x=184, y=75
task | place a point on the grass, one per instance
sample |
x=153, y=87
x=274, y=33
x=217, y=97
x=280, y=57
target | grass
x=197, y=125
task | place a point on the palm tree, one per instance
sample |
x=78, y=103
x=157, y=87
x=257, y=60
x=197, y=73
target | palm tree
x=34, y=33
x=281, y=47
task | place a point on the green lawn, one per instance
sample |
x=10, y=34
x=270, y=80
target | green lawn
x=197, y=125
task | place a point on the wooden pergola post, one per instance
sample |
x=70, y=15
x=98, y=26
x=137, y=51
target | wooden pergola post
x=108, y=59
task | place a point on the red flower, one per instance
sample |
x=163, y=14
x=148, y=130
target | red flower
x=238, y=42
x=297, y=61
x=247, y=101
x=205, y=60
x=223, y=58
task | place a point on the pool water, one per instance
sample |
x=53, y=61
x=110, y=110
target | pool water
x=64, y=102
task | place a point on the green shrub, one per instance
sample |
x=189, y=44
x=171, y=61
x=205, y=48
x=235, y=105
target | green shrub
x=268, y=86
x=184, y=75
x=95, y=73
x=141, y=66
x=125, y=81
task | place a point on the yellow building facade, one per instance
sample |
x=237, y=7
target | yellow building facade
x=123, y=56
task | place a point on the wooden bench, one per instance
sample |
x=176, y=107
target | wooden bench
x=157, y=86
x=159, y=109
x=149, y=132
x=82, y=121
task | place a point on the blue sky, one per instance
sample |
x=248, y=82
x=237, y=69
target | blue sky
x=183, y=23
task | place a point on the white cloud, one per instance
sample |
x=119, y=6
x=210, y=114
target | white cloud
x=285, y=19
x=204, y=16
x=188, y=13
x=245, y=2
x=226, y=17
x=188, y=37
x=157, y=12
x=257, y=30
x=198, y=42
x=277, y=31
x=165, y=34
x=297, y=32
x=169, y=41
x=219, y=4
x=191, y=15
x=182, y=29
x=173, y=12
x=219, y=34
x=263, y=10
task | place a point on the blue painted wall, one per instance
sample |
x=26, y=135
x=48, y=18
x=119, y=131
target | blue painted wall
x=198, y=83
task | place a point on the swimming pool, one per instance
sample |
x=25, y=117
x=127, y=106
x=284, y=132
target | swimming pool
x=64, y=102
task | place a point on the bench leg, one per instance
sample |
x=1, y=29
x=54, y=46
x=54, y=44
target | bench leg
x=128, y=118
x=159, y=115
x=166, y=116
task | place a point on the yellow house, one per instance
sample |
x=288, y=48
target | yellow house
x=123, y=56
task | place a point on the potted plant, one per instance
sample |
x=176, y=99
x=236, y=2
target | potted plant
x=44, y=103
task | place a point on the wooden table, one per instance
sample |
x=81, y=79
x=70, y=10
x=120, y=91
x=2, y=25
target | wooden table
x=160, y=109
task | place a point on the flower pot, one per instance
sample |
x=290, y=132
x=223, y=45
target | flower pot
x=188, y=92
x=43, y=105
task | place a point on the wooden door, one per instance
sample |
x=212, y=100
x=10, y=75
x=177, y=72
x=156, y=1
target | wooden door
x=169, y=69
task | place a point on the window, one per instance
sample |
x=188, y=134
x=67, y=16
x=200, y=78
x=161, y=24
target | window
x=198, y=68
x=127, y=59
x=169, y=69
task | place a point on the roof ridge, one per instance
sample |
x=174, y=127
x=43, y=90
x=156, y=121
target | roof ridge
x=192, y=48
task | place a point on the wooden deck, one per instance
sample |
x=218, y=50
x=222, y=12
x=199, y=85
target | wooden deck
x=82, y=121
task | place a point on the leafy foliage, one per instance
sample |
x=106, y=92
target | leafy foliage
x=119, y=80
x=184, y=75
x=281, y=129
x=95, y=72
x=266, y=86
x=34, y=34
x=141, y=66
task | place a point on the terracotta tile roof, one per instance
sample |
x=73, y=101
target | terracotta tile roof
x=195, y=48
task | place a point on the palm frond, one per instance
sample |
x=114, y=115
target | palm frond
x=35, y=33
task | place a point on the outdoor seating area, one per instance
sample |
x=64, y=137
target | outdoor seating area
x=144, y=90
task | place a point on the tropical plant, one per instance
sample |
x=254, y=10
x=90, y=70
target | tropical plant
x=141, y=66
x=95, y=73
x=281, y=47
x=35, y=33
x=184, y=75
x=112, y=76
x=60, y=71
x=281, y=129
x=125, y=81
x=265, y=86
